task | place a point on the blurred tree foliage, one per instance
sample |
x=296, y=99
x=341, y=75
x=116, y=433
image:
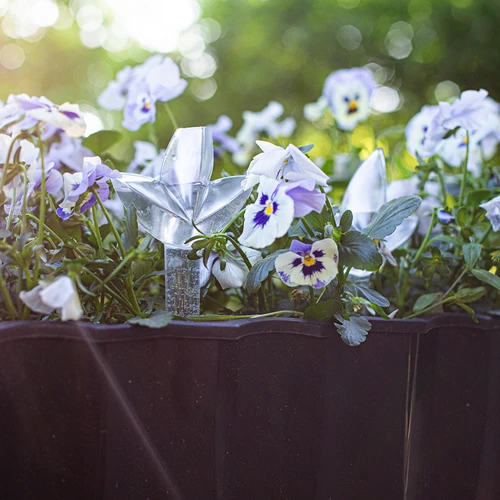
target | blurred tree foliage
x=283, y=50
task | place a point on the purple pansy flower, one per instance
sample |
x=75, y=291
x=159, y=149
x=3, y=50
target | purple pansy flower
x=309, y=265
x=68, y=151
x=492, y=208
x=147, y=157
x=348, y=92
x=158, y=79
x=114, y=97
x=467, y=112
x=277, y=205
x=66, y=117
x=445, y=217
x=219, y=135
x=94, y=173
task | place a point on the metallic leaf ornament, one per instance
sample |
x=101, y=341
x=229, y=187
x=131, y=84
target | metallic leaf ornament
x=181, y=197
x=365, y=195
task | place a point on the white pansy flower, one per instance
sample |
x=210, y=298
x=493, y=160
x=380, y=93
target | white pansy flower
x=60, y=294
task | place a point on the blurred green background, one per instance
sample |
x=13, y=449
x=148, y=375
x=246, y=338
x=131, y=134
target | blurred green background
x=240, y=54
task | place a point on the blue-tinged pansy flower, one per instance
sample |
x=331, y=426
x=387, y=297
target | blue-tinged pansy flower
x=94, y=173
x=288, y=163
x=219, y=135
x=234, y=273
x=278, y=203
x=138, y=89
x=309, y=265
x=416, y=131
x=68, y=151
x=348, y=92
x=66, y=117
x=315, y=110
x=269, y=217
x=467, y=112
x=114, y=96
x=262, y=122
x=445, y=217
x=492, y=208
x=148, y=158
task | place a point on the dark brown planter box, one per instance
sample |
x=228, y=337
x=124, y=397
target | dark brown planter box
x=265, y=409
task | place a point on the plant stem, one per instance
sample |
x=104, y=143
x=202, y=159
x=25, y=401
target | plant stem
x=464, y=171
x=41, y=215
x=7, y=299
x=216, y=317
x=97, y=231
x=427, y=309
x=329, y=205
x=312, y=299
x=308, y=227
x=262, y=297
x=426, y=239
x=233, y=220
x=7, y=160
x=455, y=283
x=128, y=279
x=171, y=116
x=118, y=268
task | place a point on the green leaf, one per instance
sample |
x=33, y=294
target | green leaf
x=390, y=216
x=316, y=221
x=260, y=271
x=476, y=196
x=346, y=221
x=487, y=277
x=471, y=251
x=358, y=250
x=130, y=229
x=425, y=301
x=158, y=319
x=323, y=311
x=469, y=310
x=353, y=331
x=467, y=295
x=372, y=295
x=447, y=239
x=101, y=141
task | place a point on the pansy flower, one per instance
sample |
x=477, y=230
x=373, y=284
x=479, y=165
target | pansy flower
x=114, y=96
x=467, y=112
x=94, y=173
x=288, y=163
x=147, y=157
x=61, y=294
x=277, y=205
x=309, y=265
x=160, y=82
x=348, y=93
x=261, y=122
x=492, y=208
x=235, y=272
x=269, y=217
x=66, y=117
x=219, y=135
x=68, y=151
x=416, y=131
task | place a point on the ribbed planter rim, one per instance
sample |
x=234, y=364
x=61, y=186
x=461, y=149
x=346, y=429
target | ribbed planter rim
x=233, y=329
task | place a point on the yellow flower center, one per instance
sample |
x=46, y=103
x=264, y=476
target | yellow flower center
x=147, y=105
x=269, y=209
x=353, y=106
x=466, y=140
x=309, y=260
